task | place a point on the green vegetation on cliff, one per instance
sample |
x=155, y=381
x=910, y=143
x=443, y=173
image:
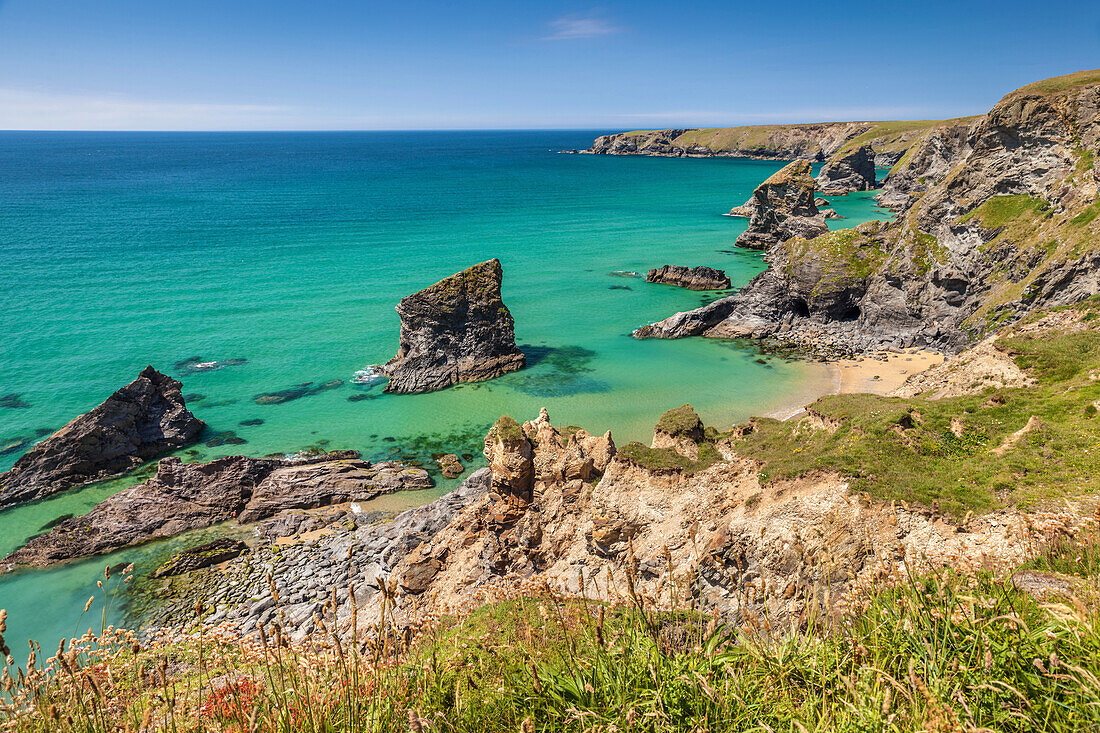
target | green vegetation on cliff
x=1000, y=447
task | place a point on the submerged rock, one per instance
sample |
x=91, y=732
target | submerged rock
x=450, y=465
x=783, y=207
x=852, y=170
x=185, y=496
x=144, y=419
x=457, y=330
x=692, y=278
x=13, y=401
x=202, y=556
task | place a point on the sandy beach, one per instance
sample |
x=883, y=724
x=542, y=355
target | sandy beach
x=879, y=374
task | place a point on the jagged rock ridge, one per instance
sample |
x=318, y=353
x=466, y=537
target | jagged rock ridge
x=850, y=170
x=144, y=419
x=458, y=330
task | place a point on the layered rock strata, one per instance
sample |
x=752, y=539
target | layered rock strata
x=783, y=207
x=850, y=170
x=998, y=218
x=458, y=330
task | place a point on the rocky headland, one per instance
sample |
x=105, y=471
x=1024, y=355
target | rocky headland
x=783, y=207
x=144, y=419
x=814, y=141
x=186, y=496
x=692, y=278
x=997, y=218
x=458, y=330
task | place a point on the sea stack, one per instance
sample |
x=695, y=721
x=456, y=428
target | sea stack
x=144, y=419
x=458, y=330
x=851, y=170
x=783, y=207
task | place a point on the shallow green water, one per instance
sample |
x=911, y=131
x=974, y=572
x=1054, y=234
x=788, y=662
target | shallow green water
x=291, y=250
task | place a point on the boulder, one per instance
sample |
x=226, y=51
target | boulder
x=144, y=419
x=185, y=496
x=457, y=330
x=450, y=465
x=692, y=278
x=783, y=208
x=850, y=170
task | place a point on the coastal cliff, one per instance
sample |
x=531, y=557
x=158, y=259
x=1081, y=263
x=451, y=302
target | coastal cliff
x=815, y=141
x=997, y=218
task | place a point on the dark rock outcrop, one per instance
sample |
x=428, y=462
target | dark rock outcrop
x=692, y=278
x=783, y=207
x=457, y=330
x=185, y=496
x=851, y=170
x=202, y=556
x=144, y=419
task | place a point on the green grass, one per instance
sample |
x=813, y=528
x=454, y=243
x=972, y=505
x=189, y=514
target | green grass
x=1059, y=84
x=1001, y=211
x=667, y=459
x=682, y=420
x=844, y=256
x=905, y=449
x=942, y=652
x=507, y=429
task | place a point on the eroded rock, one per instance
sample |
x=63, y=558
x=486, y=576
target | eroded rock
x=144, y=419
x=783, y=207
x=458, y=330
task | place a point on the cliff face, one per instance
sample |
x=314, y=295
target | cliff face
x=458, y=330
x=144, y=419
x=851, y=170
x=781, y=142
x=998, y=217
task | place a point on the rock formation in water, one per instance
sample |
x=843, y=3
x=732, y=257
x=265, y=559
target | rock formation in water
x=783, y=207
x=850, y=170
x=185, y=496
x=457, y=330
x=998, y=218
x=692, y=278
x=144, y=419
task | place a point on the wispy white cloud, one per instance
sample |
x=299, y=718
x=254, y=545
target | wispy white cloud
x=577, y=26
x=22, y=109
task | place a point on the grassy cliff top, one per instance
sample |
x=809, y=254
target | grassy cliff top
x=1058, y=84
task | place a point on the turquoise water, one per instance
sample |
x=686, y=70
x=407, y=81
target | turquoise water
x=290, y=251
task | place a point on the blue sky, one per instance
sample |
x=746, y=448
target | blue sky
x=433, y=64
